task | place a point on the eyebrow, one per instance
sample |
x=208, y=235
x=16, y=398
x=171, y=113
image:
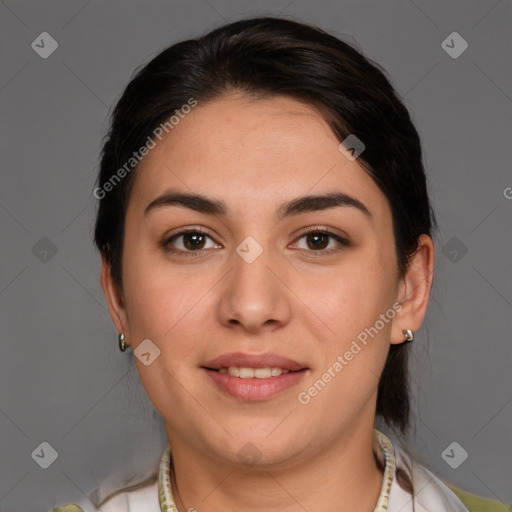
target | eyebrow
x=310, y=203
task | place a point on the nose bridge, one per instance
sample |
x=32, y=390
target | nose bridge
x=253, y=296
x=250, y=266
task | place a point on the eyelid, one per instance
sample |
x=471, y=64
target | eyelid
x=188, y=229
x=321, y=229
x=342, y=241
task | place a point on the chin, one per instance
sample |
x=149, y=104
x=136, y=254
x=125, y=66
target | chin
x=262, y=445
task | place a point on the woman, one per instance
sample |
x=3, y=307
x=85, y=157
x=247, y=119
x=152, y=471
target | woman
x=266, y=241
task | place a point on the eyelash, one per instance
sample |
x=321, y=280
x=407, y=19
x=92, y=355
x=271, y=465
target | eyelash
x=316, y=230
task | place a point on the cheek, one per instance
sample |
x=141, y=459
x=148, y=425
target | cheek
x=164, y=304
x=152, y=300
x=358, y=342
x=349, y=298
x=165, y=309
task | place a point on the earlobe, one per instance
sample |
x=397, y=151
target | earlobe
x=414, y=291
x=114, y=297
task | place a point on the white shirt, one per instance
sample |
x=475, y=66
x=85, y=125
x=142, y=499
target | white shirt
x=431, y=494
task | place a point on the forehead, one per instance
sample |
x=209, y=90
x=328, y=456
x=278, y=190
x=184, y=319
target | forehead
x=253, y=151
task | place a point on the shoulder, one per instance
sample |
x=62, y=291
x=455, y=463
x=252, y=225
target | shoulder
x=476, y=503
x=139, y=499
x=434, y=493
x=67, y=508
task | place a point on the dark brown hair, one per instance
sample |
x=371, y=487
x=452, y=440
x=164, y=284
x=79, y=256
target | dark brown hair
x=265, y=57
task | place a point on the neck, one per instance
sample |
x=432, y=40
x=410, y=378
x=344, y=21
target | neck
x=343, y=477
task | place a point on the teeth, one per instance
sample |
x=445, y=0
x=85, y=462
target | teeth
x=263, y=373
x=234, y=371
x=246, y=373
x=250, y=373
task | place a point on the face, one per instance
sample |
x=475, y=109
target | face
x=265, y=287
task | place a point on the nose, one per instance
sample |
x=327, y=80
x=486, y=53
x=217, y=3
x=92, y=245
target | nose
x=255, y=297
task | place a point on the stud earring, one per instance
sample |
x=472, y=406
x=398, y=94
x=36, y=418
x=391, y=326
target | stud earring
x=122, y=346
x=409, y=335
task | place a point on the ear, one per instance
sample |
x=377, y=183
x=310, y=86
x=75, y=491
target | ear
x=414, y=290
x=114, y=297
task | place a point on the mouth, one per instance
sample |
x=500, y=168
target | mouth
x=242, y=372
x=254, y=377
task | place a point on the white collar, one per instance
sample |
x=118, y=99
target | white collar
x=431, y=494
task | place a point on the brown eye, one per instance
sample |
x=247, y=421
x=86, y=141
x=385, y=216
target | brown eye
x=317, y=240
x=321, y=241
x=189, y=241
x=194, y=240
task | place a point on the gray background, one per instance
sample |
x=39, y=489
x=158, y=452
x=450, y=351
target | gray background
x=62, y=378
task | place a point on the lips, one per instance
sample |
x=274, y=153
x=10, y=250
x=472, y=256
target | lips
x=241, y=360
x=254, y=377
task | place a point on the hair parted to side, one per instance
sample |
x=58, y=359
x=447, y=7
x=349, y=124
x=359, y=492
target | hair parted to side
x=265, y=57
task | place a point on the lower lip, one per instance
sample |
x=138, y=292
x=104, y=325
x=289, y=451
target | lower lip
x=255, y=389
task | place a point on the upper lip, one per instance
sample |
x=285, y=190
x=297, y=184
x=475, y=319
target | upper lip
x=240, y=359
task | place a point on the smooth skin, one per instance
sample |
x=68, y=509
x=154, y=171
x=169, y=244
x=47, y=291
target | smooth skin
x=295, y=300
